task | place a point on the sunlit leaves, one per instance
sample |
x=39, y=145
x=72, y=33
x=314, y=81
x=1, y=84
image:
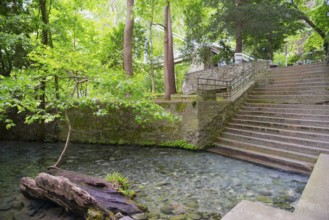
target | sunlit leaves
x=85, y=60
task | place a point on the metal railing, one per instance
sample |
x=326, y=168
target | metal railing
x=228, y=87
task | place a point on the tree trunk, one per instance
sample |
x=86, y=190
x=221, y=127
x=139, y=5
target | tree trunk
x=238, y=41
x=150, y=52
x=169, y=66
x=128, y=40
x=5, y=69
x=45, y=39
x=238, y=34
x=68, y=138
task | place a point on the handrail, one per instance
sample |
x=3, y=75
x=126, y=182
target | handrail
x=228, y=88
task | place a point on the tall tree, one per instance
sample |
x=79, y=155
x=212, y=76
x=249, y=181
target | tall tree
x=239, y=28
x=128, y=40
x=169, y=66
x=46, y=40
x=150, y=46
x=256, y=25
x=46, y=34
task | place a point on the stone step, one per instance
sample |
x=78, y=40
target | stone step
x=299, y=73
x=297, y=97
x=277, y=144
x=293, y=77
x=281, y=131
x=284, y=120
x=308, y=68
x=266, y=149
x=304, y=79
x=264, y=159
x=288, y=106
x=289, y=99
x=292, y=92
x=287, y=89
x=294, y=85
x=314, y=144
x=286, y=110
x=296, y=127
x=294, y=114
x=299, y=69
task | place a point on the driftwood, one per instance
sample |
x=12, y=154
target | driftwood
x=59, y=190
x=78, y=193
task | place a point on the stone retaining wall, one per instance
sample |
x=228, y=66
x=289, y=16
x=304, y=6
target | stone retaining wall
x=219, y=73
x=202, y=121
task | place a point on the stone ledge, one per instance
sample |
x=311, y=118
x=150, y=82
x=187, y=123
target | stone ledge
x=313, y=204
x=247, y=210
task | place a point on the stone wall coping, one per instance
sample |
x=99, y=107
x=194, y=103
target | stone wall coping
x=313, y=204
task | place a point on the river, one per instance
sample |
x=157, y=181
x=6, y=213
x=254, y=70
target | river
x=168, y=181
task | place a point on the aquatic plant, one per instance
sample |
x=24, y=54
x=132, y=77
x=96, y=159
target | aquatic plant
x=121, y=183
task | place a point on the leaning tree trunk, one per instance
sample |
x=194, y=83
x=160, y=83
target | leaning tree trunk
x=169, y=66
x=128, y=40
x=67, y=142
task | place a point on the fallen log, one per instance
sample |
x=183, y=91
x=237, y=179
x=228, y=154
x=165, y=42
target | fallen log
x=81, y=179
x=103, y=191
x=78, y=193
x=60, y=191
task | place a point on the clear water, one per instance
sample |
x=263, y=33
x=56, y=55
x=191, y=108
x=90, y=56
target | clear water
x=198, y=181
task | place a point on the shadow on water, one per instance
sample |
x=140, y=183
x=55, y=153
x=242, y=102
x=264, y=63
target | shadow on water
x=167, y=181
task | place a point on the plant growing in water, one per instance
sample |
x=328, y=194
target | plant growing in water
x=121, y=183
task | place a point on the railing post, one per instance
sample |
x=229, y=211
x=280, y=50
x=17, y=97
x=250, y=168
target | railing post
x=238, y=58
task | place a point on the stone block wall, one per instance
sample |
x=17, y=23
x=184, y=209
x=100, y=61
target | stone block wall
x=190, y=84
x=200, y=122
x=120, y=127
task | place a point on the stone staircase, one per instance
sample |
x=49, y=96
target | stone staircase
x=285, y=121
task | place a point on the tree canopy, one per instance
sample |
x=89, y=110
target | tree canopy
x=55, y=54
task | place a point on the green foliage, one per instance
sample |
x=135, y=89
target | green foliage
x=180, y=144
x=121, y=183
x=94, y=214
x=198, y=34
x=83, y=67
x=15, y=27
x=265, y=25
x=112, y=51
x=118, y=180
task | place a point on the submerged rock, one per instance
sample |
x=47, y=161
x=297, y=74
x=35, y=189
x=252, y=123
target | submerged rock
x=167, y=210
x=140, y=216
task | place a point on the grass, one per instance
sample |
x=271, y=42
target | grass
x=180, y=144
x=121, y=183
